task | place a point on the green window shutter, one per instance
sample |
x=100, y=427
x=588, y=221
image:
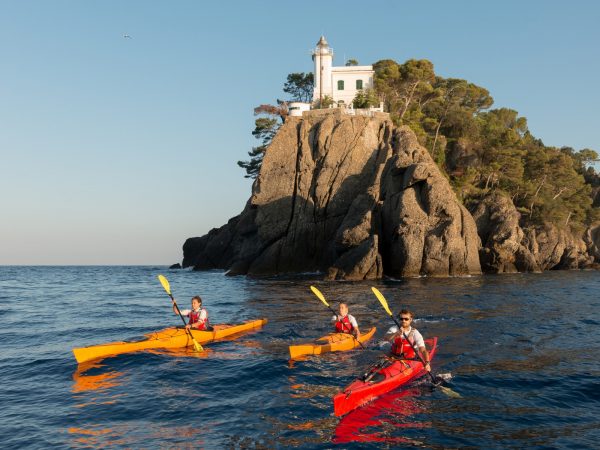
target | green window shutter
x=359, y=84
x=340, y=85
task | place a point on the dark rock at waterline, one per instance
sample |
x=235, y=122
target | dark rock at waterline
x=175, y=266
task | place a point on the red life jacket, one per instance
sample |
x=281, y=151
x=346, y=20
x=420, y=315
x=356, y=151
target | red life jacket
x=195, y=318
x=401, y=347
x=343, y=325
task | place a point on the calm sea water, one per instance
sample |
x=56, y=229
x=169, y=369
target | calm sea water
x=523, y=350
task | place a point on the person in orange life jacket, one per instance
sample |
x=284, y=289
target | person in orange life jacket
x=345, y=323
x=400, y=347
x=198, y=315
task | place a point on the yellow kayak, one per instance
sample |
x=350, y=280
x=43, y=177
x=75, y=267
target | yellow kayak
x=167, y=338
x=333, y=342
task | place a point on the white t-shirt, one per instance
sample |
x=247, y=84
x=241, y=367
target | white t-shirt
x=350, y=318
x=416, y=338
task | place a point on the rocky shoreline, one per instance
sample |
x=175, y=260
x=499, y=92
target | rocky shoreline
x=358, y=198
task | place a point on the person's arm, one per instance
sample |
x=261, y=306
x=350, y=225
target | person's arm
x=184, y=313
x=355, y=326
x=202, y=319
x=425, y=355
x=420, y=344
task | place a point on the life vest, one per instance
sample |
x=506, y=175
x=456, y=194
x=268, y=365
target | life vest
x=343, y=325
x=401, y=347
x=195, y=318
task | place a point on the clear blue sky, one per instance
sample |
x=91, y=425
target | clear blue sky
x=115, y=150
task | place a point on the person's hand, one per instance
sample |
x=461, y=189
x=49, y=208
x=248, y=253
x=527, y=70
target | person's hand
x=428, y=367
x=188, y=326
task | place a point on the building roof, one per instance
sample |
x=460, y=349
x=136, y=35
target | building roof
x=322, y=42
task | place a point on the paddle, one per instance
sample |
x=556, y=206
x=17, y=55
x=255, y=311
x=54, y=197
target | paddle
x=383, y=302
x=322, y=298
x=167, y=287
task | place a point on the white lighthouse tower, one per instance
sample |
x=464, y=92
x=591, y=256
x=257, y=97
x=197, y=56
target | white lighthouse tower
x=323, y=57
x=340, y=84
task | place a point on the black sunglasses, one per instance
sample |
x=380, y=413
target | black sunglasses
x=405, y=318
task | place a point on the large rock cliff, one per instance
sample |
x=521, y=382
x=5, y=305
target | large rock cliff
x=351, y=196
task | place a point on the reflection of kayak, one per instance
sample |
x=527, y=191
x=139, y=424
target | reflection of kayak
x=333, y=342
x=383, y=419
x=167, y=338
x=381, y=378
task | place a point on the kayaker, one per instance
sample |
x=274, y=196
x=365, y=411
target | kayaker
x=400, y=347
x=345, y=323
x=198, y=315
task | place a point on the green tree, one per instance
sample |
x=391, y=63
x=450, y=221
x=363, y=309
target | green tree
x=351, y=62
x=324, y=103
x=264, y=130
x=365, y=98
x=387, y=75
x=300, y=86
x=454, y=105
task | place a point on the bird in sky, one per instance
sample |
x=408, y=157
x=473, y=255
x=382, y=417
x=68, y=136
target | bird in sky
x=126, y=36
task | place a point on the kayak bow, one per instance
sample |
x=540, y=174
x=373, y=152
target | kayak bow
x=167, y=338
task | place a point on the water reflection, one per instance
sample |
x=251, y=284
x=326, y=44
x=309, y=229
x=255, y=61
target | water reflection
x=382, y=420
x=126, y=436
x=84, y=382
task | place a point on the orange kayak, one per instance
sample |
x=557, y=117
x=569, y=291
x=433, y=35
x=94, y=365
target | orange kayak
x=333, y=342
x=167, y=338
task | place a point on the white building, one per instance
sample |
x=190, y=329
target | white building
x=339, y=83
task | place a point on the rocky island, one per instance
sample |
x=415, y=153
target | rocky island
x=439, y=186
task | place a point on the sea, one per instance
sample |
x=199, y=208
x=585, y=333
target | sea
x=523, y=352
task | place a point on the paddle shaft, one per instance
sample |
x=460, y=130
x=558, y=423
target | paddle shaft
x=320, y=296
x=189, y=332
x=413, y=347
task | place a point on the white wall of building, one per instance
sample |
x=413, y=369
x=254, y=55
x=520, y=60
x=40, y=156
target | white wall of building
x=350, y=75
x=297, y=108
x=327, y=76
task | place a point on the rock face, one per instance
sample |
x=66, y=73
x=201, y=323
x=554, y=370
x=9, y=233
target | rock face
x=506, y=247
x=351, y=196
x=558, y=249
x=592, y=241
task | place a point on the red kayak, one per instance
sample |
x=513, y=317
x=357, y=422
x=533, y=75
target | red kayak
x=381, y=378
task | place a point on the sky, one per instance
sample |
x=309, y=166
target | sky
x=115, y=150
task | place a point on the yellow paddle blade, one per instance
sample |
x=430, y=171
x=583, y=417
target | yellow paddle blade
x=197, y=345
x=382, y=300
x=449, y=392
x=319, y=295
x=165, y=284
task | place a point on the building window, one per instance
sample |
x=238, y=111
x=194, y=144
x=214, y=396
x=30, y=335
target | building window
x=340, y=85
x=358, y=84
